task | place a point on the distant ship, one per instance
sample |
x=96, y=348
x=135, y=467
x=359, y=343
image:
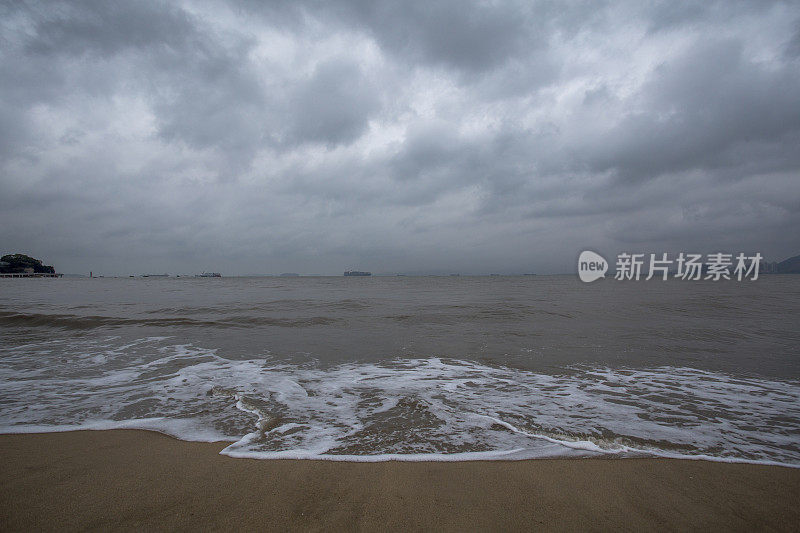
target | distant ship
x=356, y=273
x=290, y=275
x=155, y=275
x=208, y=275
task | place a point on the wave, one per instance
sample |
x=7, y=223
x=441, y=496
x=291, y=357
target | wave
x=403, y=409
x=78, y=322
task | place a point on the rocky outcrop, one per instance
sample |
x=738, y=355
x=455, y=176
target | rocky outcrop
x=21, y=263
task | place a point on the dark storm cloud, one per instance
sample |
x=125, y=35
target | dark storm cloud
x=710, y=109
x=106, y=28
x=199, y=86
x=313, y=136
x=473, y=36
x=333, y=106
x=470, y=36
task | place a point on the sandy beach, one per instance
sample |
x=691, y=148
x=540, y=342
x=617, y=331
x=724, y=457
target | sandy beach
x=131, y=479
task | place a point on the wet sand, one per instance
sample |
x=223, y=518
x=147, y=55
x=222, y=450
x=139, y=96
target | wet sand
x=136, y=479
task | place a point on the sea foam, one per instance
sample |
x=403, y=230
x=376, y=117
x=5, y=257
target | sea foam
x=401, y=409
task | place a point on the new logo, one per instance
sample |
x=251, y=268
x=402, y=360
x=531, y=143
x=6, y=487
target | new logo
x=591, y=266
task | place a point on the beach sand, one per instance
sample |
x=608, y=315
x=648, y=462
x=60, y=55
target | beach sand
x=130, y=479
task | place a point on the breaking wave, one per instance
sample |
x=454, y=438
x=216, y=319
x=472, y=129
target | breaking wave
x=407, y=409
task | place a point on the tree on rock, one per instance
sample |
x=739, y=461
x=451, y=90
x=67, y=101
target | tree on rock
x=17, y=263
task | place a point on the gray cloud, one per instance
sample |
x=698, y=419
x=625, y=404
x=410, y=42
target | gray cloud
x=472, y=36
x=312, y=136
x=710, y=109
x=97, y=27
x=333, y=106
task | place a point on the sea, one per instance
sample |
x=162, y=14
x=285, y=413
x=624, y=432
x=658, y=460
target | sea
x=412, y=368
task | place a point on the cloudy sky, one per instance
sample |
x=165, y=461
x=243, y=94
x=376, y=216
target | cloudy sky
x=312, y=136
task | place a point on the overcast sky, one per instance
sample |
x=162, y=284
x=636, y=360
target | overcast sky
x=315, y=136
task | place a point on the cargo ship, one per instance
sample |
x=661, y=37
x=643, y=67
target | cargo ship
x=208, y=275
x=356, y=273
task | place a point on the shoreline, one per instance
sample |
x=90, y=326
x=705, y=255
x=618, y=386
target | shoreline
x=458, y=457
x=129, y=479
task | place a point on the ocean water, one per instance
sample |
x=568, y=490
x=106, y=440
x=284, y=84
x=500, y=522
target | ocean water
x=412, y=368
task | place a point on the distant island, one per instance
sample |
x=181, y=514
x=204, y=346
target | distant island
x=21, y=265
x=787, y=266
x=790, y=266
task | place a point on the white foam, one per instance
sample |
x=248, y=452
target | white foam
x=424, y=409
x=177, y=428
